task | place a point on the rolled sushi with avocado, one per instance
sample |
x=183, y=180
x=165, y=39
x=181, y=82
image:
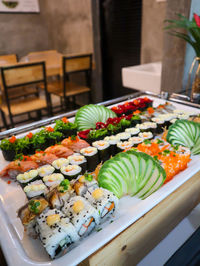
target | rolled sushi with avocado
x=55, y=232
x=92, y=157
x=83, y=183
x=103, y=148
x=27, y=177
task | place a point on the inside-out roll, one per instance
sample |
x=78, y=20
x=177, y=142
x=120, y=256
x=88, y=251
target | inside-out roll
x=56, y=232
x=104, y=201
x=83, y=183
x=82, y=215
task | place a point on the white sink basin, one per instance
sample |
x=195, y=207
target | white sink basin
x=145, y=77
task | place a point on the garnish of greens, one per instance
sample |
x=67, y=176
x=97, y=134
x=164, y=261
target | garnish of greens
x=147, y=141
x=64, y=186
x=159, y=141
x=34, y=206
x=88, y=177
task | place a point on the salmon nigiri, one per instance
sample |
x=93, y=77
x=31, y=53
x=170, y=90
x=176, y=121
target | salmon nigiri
x=60, y=151
x=42, y=158
x=16, y=167
x=75, y=144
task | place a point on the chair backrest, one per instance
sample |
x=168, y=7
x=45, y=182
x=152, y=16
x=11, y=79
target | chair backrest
x=48, y=55
x=77, y=63
x=22, y=75
x=8, y=59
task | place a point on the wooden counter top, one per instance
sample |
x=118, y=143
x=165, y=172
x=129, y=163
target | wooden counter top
x=134, y=243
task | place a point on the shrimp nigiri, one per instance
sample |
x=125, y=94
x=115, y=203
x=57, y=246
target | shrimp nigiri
x=75, y=144
x=42, y=158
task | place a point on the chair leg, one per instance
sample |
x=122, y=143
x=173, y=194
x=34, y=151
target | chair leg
x=4, y=120
x=39, y=114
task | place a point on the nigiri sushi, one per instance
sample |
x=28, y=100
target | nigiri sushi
x=60, y=151
x=75, y=144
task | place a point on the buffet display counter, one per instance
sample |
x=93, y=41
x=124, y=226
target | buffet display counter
x=136, y=229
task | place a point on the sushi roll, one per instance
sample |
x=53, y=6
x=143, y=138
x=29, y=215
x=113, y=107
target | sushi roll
x=27, y=177
x=152, y=127
x=53, y=179
x=123, y=145
x=57, y=196
x=36, y=188
x=84, y=183
x=71, y=171
x=143, y=127
x=92, y=157
x=103, y=148
x=55, y=232
x=45, y=170
x=133, y=131
x=104, y=201
x=146, y=135
x=29, y=212
x=58, y=163
x=160, y=124
x=113, y=140
x=80, y=160
x=136, y=140
x=123, y=136
x=82, y=215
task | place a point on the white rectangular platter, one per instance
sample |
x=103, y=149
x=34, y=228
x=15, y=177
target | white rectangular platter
x=22, y=250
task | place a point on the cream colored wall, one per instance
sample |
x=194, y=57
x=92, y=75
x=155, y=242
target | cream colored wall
x=153, y=15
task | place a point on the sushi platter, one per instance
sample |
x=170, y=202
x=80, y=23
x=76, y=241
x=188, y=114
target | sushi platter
x=79, y=182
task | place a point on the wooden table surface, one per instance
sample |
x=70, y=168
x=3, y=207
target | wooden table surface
x=134, y=243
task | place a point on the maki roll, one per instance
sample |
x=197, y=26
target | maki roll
x=143, y=127
x=146, y=135
x=123, y=136
x=84, y=183
x=103, y=149
x=45, y=170
x=58, y=163
x=71, y=171
x=29, y=212
x=152, y=127
x=136, y=141
x=27, y=177
x=80, y=160
x=60, y=194
x=36, y=188
x=113, y=140
x=82, y=215
x=55, y=232
x=91, y=155
x=160, y=124
x=133, y=131
x=173, y=121
x=53, y=179
x=123, y=145
x=104, y=201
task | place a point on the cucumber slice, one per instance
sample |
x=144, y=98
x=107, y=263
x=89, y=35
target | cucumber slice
x=133, y=173
x=88, y=115
x=186, y=133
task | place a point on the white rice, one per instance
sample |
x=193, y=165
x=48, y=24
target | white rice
x=27, y=176
x=76, y=159
x=70, y=170
x=51, y=236
x=133, y=130
x=146, y=135
x=124, y=135
x=53, y=180
x=101, y=144
x=89, y=151
x=57, y=164
x=112, y=139
x=35, y=188
x=46, y=170
x=125, y=144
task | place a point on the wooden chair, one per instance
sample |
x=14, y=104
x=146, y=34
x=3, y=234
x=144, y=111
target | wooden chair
x=66, y=89
x=8, y=59
x=18, y=102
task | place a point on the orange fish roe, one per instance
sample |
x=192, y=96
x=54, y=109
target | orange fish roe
x=172, y=162
x=150, y=110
